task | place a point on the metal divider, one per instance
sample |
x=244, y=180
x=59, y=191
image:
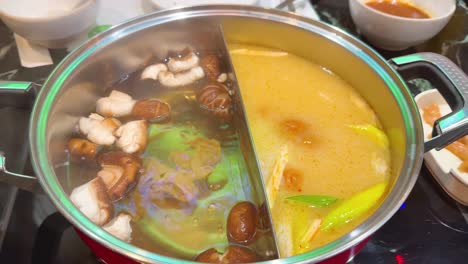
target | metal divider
x=266, y=248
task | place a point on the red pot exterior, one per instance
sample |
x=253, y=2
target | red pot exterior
x=346, y=255
x=110, y=257
x=104, y=254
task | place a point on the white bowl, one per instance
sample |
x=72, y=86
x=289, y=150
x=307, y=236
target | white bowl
x=50, y=23
x=396, y=33
x=167, y=4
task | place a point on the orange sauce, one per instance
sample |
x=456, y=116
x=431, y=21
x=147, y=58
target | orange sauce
x=398, y=8
x=431, y=113
x=460, y=147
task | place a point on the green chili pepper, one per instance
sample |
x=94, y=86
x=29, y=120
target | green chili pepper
x=354, y=206
x=314, y=200
x=377, y=135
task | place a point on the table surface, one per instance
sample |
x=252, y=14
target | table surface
x=428, y=229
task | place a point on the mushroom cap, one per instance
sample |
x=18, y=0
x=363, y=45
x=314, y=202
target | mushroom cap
x=119, y=158
x=129, y=162
x=232, y=254
x=152, y=71
x=80, y=148
x=152, y=110
x=211, y=65
x=209, y=256
x=239, y=254
x=119, y=172
x=215, y=99
x=116, y=181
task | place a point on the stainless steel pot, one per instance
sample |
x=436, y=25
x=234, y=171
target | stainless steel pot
x=74, y=86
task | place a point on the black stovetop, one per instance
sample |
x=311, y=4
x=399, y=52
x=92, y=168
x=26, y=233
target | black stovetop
x=429, y=228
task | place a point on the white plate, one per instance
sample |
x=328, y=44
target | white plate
x=443, y=164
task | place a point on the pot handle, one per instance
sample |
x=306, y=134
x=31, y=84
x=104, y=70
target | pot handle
x=19, y=95
x=451, y=82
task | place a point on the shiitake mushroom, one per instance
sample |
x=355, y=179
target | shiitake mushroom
x=238, y=254
x=118, y=186
x=209, y=256
x=152, y=110
x=242, y=222
x=232, y=254
x=82, y=149
x=241, y=229
x=211, y=65
x=215, y=99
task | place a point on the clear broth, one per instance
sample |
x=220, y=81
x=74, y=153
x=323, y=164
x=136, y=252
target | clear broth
x=173, y=231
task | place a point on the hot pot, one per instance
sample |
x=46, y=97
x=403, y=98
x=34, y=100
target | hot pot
x=74, y=86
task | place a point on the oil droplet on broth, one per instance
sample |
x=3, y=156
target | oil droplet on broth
x=211, y=209
x=220, y=228
x=195, y=221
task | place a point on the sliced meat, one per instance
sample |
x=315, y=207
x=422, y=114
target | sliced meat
x=132, y=136
x=170, y=79
x=120, y=227
x=117, y=104
x=98, y=129
x=184, y=63
x=92, y=200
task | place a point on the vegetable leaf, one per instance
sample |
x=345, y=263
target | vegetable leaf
x=314, y=200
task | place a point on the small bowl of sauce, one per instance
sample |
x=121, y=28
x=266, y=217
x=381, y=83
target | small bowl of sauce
x=398, y=8
x=399, y=24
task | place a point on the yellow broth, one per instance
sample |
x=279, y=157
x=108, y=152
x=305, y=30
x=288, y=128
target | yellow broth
x=295, y=102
